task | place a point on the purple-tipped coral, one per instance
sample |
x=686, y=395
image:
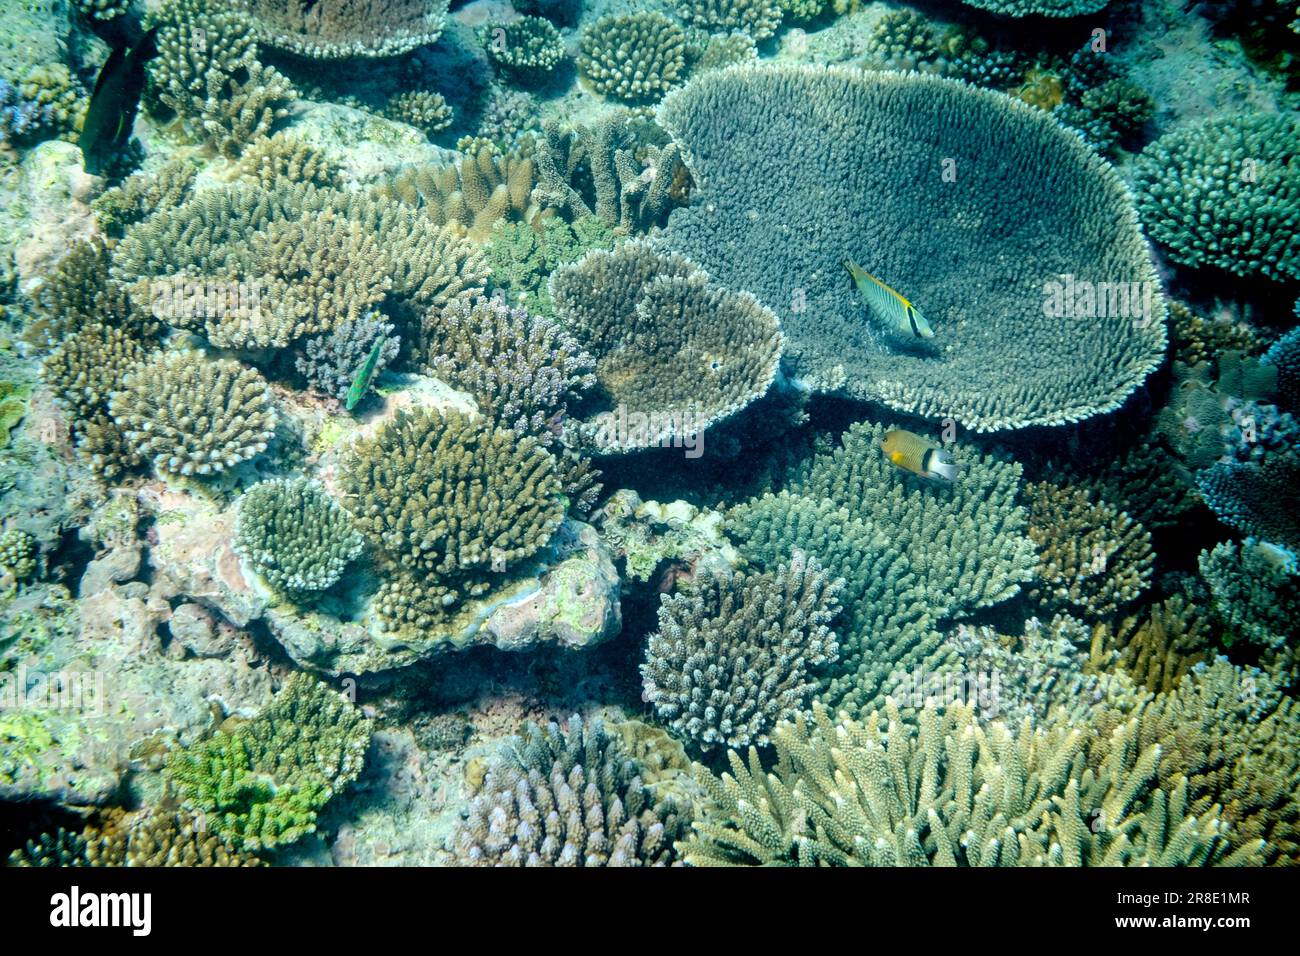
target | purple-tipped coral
x=329, y=362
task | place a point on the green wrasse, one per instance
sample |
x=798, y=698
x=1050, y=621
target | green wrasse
x=361, y=383
x=888, y=307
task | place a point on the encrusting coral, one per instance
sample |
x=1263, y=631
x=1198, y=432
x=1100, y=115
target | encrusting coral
x=952, y=791
x=262, y=783
x=675, y=352
x=1057, y=319
x=637, y=57
x=568, y=797
x=453, y=503
x=1092, y=559
x=191, y=415
x=295, y=535
x=334, y=29
x=1226, y=193
x=734, y=656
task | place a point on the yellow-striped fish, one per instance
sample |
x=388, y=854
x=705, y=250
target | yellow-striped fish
x=919, y=455
x=887, y=306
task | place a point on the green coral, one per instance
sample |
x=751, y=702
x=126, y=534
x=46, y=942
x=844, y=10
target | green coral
x=1254, y=591
x=951, y=791
x=297, y=537
x=1226, y=193
x=453, y=503
x=734, y=656
x=675, y=352
x=637, y=57
x=262, y=784
x=191, y=415
x=522, y=258
x=569, y=797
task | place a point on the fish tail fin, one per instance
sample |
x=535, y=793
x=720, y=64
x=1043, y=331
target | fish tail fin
x=942, y=466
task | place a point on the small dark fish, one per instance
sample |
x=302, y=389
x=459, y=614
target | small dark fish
x=113, y=105
x=361, y=383
x=122, y=30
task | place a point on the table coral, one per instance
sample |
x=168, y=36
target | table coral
x=336, y=29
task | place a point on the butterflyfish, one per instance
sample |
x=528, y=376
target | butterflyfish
x=919, y=455
x=887, y=306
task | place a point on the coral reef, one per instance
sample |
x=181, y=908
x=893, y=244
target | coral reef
x=758, y=18
x=735, y=656
x=1226, y=193
x=191, y=415
x=1284, y=355
x=902, y=40
x=453, y=503
x=953, y=791
x=1157, y=646
x=141, y=838
x=522, y=258
x=423, y=109
x=295, y=535
x=334, y=29
x=1046, y=8
x=1256, y=498
x=1014, y=346
x=329, y=362
x=262, y=783
x=637, y=57
x=282, y=156
x=208, y=74
x=1254, y=591
x=568, y=797
x=673, y=350
x=1092, y=559
x=18, y=554
x=522, y=369
x=527, y=50
x=142, y=193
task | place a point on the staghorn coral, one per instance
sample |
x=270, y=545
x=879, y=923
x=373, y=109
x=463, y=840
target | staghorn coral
x=568, y=797
x=329, y=362
x=1256, y=497
x=952, y=791
x=1092, y=559
x=527, y=49
x=191, y=415
x=1226, y=193
x=142, y=193
x=208, y=74
x=286, y=157
x=453, y=503
x=636, y=58
x=735, y=656
x=997, y=361
x=336, y=29
x=671, y=347
x=522, y=369
x=425, y=110
x=758, y=18
x=618, y=170
x=262, y=784
x=1157, y=646
x=79, y=292
x=474, y=194
x=88, y=365
x=1254, y=591
x=295, y=535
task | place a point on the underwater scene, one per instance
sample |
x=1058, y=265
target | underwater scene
x=644, y=433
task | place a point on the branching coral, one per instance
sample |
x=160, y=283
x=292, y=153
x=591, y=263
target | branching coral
x=1156, y=646
x=735, y=656
x=141, y=838
x=1226, y=193
x=522, y=258
x=1092, y=559
x=1254, y=591
x=18, y=554
x=672, y=348
x=758, y=18
x=526, y=49
x=285, y=157
x=140, y=194
x=637, y=57
x=522, y=369
x=568, y=797
x=475, y=193
x=329, y=362
x=1044, y=312
x=425, y=110
x=1256, y=498
x=295, y=535
x=1146, y=482
x=453, y=503
x=207, y=72
x=953, y=791
x=902, y=40
x=262, y=784
x=191, y=415
x=334, y=29
x=1284, y=355
x=618, y=170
